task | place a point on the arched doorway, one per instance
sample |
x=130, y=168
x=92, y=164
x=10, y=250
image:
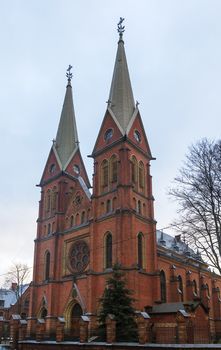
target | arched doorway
x=76, y=313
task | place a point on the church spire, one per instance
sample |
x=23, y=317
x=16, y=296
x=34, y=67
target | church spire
x=66, y=142
x=121, y=100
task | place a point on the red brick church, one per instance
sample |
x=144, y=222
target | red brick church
x=83, y=230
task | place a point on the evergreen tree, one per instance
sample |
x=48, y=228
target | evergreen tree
x=117, y=300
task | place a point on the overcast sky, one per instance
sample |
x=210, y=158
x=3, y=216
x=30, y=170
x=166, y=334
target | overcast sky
x=174, y=55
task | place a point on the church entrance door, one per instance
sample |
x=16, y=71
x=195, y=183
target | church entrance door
x=76, y=313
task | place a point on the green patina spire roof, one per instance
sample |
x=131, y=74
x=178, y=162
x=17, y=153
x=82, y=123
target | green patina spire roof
x=66, y=142
x=121, y=100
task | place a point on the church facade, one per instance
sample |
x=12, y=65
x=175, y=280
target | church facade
x=82, y=230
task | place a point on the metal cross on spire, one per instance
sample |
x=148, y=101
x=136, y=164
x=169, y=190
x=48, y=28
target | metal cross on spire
x=120, y=28
x=69, y=75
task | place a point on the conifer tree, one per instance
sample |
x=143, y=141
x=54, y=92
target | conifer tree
x=117, y=300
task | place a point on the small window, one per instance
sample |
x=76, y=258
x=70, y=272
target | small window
x=2, y=303
x=76, y=169
x=137, y=136
x=52, y=168
x=108, y=134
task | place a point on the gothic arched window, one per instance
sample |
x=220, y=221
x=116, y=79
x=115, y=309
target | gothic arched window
x=180, y=286
x=77, y=219
x=139, y=207
x=48, y=201
x=47, y=265
x=208, y=292
x=134, y=167
x=82, y=217
x=141, y=175
x=104, y=173
x=54, y=199
x=140, y=250
x=49, y=229
x=108, y=250
x=108, y=206
x=72, y=221
x=113, y=169
x=44, y=313
x=163, y=294
x=194, y=288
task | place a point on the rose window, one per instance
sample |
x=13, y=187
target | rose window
x=79, y=256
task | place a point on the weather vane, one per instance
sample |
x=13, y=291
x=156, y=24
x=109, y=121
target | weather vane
x=69, y=75
x=120, y=28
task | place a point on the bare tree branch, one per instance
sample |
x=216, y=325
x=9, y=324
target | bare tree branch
x=198, y=192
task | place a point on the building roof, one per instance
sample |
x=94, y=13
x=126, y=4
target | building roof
x=121, y=100
x=66, y=143
x=172, y=307
x=177, y=245
x=9, y=296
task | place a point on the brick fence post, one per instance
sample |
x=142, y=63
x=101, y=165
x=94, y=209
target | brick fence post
x=182, y=320
x=1, y=327
x=143, y=324
x=40, y=329
x=110, y=328
x=14, y=327
x=22, y=329
x=60, y=329
x=84, y=323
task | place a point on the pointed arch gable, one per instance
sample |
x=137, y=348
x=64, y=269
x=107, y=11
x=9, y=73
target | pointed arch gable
x=137, y=124
x=52, y=159
x=108, y=122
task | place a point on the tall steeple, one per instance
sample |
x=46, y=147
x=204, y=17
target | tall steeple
x=121, y=100
x=66, y=142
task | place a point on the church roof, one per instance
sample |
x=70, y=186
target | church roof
x=177, y=245
x=66, y=142
x=121, y=100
